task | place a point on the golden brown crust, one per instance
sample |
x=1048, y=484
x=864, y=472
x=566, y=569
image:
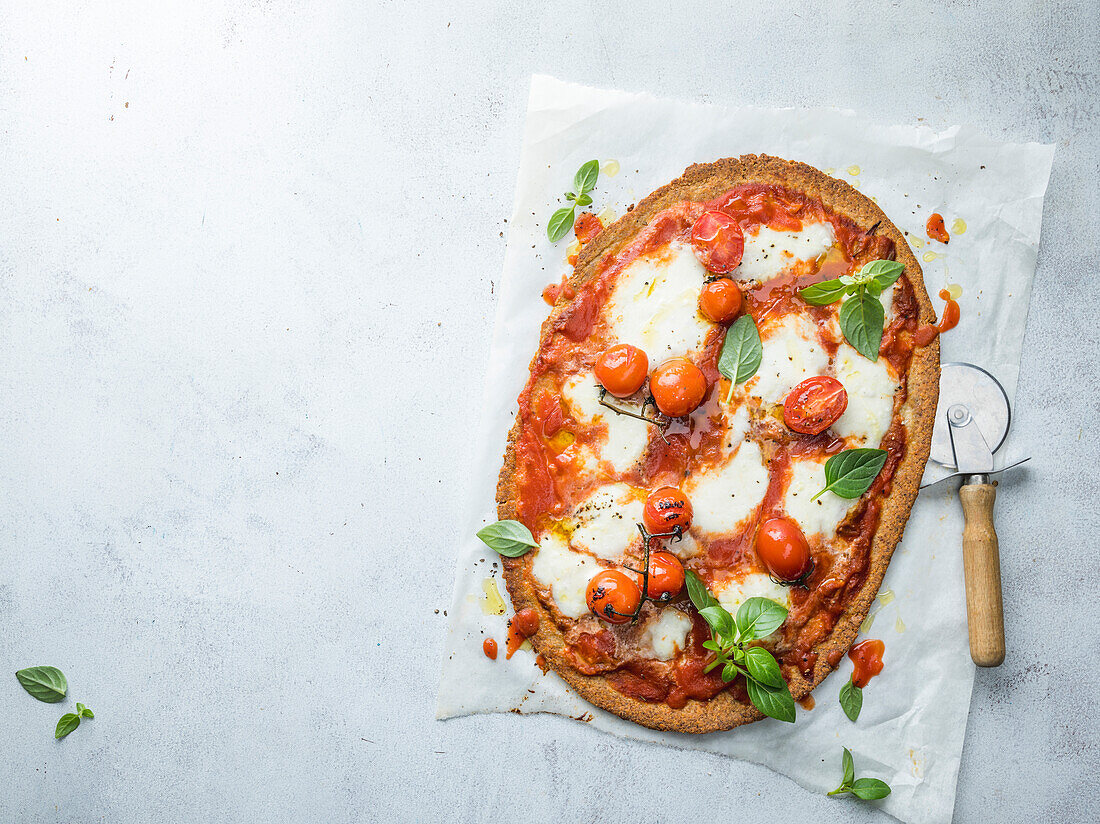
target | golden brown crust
x=702, y=182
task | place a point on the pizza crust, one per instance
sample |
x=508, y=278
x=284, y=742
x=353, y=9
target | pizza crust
x=702, y=182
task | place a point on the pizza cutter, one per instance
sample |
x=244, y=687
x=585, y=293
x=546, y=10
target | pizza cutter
x=971, y=424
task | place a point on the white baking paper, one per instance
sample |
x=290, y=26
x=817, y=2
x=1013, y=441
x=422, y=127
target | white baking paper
x=910, y=732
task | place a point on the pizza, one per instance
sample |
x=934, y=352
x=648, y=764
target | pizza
x=716, y=452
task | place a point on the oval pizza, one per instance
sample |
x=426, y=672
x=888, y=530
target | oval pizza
x=719, y=443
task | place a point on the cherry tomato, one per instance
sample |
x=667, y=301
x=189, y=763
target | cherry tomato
x=678, y=387
x=614, y=596
x=666, y=576
x=720, y=300
x=665, y=509
x=622, y=369
x=815, y=405
x=718, y=241
x=782, y=548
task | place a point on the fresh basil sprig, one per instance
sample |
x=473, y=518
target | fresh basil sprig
x=71, y=720
x=741, y=352
x=850, y=473
x=851, y=700
x=508, y=538
x=868, y=789
x=584, y=181
x=861, y=316
x=756, y=618
x=44, y=683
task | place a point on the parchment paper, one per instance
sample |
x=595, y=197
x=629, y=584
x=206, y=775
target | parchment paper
x=910, y=732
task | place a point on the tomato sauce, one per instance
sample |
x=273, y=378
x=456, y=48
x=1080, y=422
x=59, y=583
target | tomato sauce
x=552, y=293
x=523, y=625
x=549, y=483
x=489, y=647
x=935, y=228
x=867, y=658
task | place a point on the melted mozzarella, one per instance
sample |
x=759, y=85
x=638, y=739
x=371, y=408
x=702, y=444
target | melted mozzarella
x=768, y=252
x=686, y=547
x=565, y=573
x=627, y=438
x=655, y=305
x=607, y=522
x=792, y=353
x=870, y=386
x=666, y=634
x=733, y=593
x=820, y=517
x=737, y=427
x=723, y=497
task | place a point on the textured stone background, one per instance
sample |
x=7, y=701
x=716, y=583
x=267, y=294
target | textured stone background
x=247, y=253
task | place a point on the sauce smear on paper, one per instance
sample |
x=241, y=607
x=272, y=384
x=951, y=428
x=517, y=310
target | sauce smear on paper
x=867, y=657
x=935, y=228
x=523, y=625
x=489, y=647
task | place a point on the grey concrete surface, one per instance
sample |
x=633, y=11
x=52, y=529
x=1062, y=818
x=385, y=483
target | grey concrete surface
x=247, y=253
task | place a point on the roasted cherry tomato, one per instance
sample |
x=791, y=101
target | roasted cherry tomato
x=782, y=548
x=720, y=300
x=665, y=509
x=614, y=596
x=815, y=405
x=622, y=369
x=678, y=387
x=718, y=241
x=666, y=576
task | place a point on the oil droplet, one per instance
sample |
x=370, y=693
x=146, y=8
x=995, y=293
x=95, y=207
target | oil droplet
x=609, y=168
x=854, y=183
x=607, y=215
x=865, y=627
x=958, y=226
x=886, y=596
x=562, y=440
x=853, y=170
x=829, y=171
x=916, y=242
x=492, y=604
x=955, y=290
x=899, y=625
x=931, y=256
x=573, y=248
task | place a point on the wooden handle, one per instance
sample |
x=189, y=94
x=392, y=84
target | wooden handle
x=982, y=567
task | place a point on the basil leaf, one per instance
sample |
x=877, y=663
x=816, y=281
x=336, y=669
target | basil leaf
x=585, y=178
x=741, y=351
x=850, y=473
x=560, y=224
x=870, y=788
x=508, y=538
x=824, y=293
x=584, y=200
x=729, y=672
x=759, y=618
x=84, y=712
x=882, y=272
x=739, y=655
x=861, y=320
x=851, y=700
x=720, y=621
x=712, y=645
x=697, y=591
x=66, y=724
x=849, y=767
x=44, y=683
x=763, y=667
x=774, y=702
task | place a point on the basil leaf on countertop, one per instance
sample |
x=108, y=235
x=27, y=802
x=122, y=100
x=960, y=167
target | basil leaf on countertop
x=849, y=766
x=851, y=700
x=508, y=538
x=741, y=352
x=862, y=319
x=44, y=683
x=850, y=473
x=66, y=724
